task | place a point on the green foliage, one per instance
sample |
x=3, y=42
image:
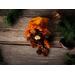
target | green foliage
x=69, y=59
x=13, y=16
x=67, y=29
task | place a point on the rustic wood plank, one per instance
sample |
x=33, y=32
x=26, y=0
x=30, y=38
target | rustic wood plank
x=14, y=43
x=10, y=29
x=23, y=43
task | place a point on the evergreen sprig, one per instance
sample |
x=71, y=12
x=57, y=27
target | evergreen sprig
x=67, y=29
x=13, y=16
